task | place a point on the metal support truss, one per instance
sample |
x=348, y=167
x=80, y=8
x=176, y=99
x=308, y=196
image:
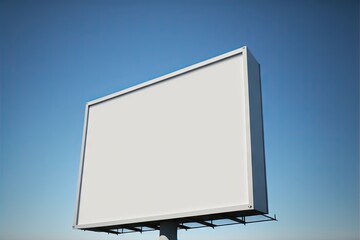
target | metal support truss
x=189, y=223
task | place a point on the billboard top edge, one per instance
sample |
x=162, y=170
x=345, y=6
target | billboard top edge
x=170, y=75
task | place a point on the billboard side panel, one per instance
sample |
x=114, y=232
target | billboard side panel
x=246, y=119
x=86, y=117
x=257, y=136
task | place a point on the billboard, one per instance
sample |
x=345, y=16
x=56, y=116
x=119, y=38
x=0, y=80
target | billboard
x=184, y=145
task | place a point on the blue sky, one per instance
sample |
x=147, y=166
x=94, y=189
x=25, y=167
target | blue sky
x=57, y=55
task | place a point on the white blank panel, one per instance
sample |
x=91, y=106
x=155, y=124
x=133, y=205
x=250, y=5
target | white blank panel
x=175, y=148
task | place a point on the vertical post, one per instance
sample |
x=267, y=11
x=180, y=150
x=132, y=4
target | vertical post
x=168, y=230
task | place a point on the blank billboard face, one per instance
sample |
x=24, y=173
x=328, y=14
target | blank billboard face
x=186, y=144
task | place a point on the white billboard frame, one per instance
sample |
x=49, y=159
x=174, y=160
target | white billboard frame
x=256, y=172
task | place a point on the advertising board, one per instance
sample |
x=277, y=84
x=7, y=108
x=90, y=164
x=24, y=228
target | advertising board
x=183, y=145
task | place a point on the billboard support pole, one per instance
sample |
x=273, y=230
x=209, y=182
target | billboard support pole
x=168, y=230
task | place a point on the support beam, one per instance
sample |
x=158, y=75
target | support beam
x=107, y=231
x=112, y=232
x=182, y=226
x=133, y=229
x=155, y=227
x=168, y=230
x=235, y=219
x=205, y=223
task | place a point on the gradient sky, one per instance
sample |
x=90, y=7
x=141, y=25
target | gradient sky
x=57, y=55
